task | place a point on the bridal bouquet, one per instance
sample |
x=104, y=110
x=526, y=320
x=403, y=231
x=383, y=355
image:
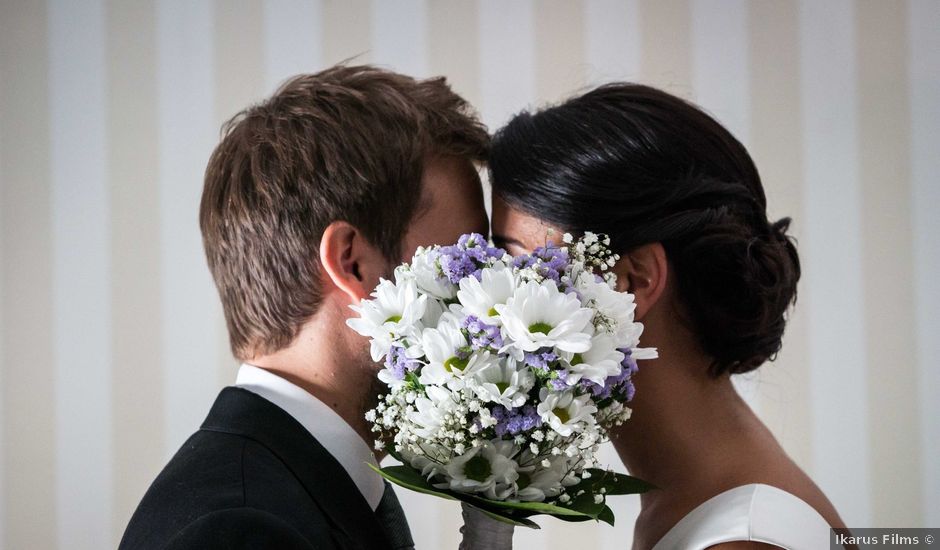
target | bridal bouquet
x=504, y=375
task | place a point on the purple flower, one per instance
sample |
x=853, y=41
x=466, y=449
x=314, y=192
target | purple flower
x=549, y=261
x=470, y=239
x=482, y=335
x=627, y=389
x=467, y=257
x=456, y=266
x=398, y=362
x=524, y=261
x=541, y=359
x=559, y=383
x=477, y=246
x=620, y=385
x=515, y=421
x=472, y=324
x=554, y=261
x=554, y=257
x=629, y=363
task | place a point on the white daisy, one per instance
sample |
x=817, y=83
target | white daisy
x=596, y=364
x=445, y=350
x=539, y=315
x=394, y=312
x=479, y=298
x=501, y=382
x=617, y=307
x=486, y=469
x=429, y=277
x=642, y=354
x=430, y=412
x=537, y=484
x=564, y=412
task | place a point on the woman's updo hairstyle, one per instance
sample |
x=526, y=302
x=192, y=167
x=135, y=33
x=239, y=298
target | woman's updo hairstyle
x=644, y=166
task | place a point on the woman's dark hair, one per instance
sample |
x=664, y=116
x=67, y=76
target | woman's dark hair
x=644, y=166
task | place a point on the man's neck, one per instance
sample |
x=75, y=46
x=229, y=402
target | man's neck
x=318, y=362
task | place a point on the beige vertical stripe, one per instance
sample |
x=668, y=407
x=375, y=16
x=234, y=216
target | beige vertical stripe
x=665, y=45
x=346, y=31
x=2, y=332
x=28, y=400
x=454, y=46
x=776, y=146
x=239, y=82
x=135, y=253
x=888, y=264
x=560, y=66
x=239, y=64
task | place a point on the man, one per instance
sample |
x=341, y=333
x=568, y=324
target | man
x=309, y=199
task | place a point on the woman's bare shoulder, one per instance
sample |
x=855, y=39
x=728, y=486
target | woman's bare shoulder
x=783, y=473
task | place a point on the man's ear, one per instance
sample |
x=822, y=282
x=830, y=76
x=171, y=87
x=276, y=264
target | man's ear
x=349, y=261
x=643, y=272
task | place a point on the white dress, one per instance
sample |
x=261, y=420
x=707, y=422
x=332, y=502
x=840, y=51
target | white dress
x=755, y=512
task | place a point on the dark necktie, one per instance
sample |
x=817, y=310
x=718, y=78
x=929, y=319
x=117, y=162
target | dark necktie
x=392, y=519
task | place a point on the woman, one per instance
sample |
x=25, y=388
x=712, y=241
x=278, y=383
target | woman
x=684, y=206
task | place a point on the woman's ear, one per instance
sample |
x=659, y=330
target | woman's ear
x=349, y=261
x=643, y=272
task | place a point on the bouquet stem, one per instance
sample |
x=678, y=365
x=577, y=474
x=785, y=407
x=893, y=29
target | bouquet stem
x=481, y=532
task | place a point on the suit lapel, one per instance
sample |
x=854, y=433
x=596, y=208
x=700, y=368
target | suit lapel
x=238, y=411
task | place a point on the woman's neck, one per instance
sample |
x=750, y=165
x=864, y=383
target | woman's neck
x=686, y=426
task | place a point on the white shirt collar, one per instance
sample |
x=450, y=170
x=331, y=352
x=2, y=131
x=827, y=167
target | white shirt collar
x=330, y=430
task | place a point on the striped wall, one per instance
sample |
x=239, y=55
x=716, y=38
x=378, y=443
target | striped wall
x=112, y=341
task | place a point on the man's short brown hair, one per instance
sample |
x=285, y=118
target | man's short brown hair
x=348, y=143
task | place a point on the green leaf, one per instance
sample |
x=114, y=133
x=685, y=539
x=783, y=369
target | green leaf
x=585, y=505
x=613, y=483
x=604, y=513
x=619, y=484
x=607, y=516
x=408, y=478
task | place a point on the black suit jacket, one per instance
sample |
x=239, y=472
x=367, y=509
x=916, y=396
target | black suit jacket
x=253, y=477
